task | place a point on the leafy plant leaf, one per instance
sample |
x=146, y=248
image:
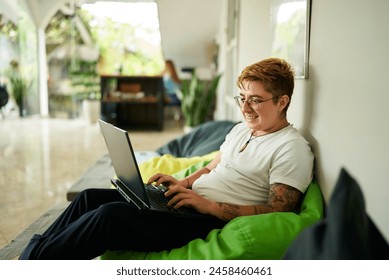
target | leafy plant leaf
x=197, y=99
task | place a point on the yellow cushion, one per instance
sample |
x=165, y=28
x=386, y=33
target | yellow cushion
x=169, y=164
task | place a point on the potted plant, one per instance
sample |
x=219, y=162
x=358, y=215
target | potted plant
x=197, y=99
x=19, y=86
x=86, y=86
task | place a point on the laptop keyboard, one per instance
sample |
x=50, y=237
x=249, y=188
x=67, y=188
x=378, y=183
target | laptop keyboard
x=157, y=198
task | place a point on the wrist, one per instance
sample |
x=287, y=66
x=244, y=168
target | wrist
x=185, y=182
x=217, y=210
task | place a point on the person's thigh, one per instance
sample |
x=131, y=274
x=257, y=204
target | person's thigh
x=120, y=226
x=156, y=232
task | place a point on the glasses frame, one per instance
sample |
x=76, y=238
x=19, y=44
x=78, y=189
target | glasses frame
x=250, y=101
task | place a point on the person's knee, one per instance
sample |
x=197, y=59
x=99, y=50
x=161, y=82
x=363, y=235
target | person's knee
x=87, y=193
x=111, y=211
x=92, y=198
x=83, y=195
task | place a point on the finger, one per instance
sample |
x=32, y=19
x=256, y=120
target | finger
x=162, y=179
x=155, y=177
x=185, y=202
x=179, y=199
x=175, y=189
x=165, y=180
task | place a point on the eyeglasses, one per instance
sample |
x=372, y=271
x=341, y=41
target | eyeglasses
x=253, y=102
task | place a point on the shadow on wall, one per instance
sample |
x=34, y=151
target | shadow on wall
x=310, y=101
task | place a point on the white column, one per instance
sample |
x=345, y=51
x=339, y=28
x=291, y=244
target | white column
x=43, y=75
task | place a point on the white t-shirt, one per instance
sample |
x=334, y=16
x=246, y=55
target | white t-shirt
x=245, y=178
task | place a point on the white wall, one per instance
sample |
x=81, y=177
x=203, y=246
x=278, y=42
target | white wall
x=350, y=88
x=342, y=108
x=187, y=30
x=254, y=32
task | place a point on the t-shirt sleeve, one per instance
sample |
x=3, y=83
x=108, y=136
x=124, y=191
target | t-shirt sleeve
x=293, y=165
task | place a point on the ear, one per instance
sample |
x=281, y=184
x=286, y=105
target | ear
x=283, y=102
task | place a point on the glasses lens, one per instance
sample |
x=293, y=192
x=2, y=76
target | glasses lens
x=238, y=101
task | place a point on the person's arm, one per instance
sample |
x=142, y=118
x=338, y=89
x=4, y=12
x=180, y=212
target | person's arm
x=189, y=180
x=282, y=198
x=168, y=180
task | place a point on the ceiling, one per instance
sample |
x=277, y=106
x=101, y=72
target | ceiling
x=188, y=27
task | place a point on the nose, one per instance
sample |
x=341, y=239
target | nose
x=246, y=107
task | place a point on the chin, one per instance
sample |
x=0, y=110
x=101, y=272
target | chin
x=253, y=125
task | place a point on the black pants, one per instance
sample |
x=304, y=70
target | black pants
x=100, y=219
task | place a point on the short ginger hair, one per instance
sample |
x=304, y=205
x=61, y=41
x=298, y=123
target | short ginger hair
x=276, y=75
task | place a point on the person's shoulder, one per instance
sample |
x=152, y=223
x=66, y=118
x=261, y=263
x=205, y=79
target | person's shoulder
x=293, y=133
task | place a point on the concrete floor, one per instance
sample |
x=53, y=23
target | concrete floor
x=40, y=159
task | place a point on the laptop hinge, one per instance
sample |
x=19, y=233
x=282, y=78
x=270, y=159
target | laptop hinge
x=129, y=195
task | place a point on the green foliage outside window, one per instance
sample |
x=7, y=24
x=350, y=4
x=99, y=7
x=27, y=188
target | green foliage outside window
x=122, y=50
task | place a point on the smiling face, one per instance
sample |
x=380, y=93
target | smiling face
x=265, y=117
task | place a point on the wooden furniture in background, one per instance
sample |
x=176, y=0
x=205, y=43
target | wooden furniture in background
x=132, y=102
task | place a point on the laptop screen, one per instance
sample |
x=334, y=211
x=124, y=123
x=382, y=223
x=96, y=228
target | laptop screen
x=123, y=158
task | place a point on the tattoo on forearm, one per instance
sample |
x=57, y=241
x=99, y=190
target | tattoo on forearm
x=282, y=198
x=230, y=211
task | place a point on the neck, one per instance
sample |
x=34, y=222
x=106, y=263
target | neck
x=278, y=126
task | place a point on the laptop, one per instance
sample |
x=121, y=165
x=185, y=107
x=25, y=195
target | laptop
x=129, y=183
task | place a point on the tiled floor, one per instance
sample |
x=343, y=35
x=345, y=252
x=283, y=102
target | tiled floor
x=41, y=158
